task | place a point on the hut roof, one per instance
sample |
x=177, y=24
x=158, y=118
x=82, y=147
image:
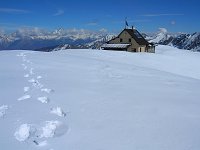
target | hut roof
x=137, y=36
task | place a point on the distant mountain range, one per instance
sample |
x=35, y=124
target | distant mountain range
x=38, y=39
x=179, y=40
x=41, y=40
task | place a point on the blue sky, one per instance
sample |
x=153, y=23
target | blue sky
x=146, y=15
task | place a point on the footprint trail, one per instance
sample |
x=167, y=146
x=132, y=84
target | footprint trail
x=39, y=134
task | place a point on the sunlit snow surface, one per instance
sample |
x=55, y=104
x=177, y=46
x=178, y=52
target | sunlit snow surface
x=100, y=100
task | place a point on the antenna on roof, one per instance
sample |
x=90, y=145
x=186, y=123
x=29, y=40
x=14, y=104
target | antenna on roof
x=126, y=23
x=133, y=27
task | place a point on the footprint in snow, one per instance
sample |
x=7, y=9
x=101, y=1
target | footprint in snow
x=28, y=61
x=35, y=83
x=28, y=133
x=58, y=111
x=20, y=55
x=25, y=67
x=47, y=90
x=31, y=71
x=3, y=110
x=32, y=80
x=24, y=97
x=40, y=134
x=26, y=89
x=54, y=129
x=39, y=77
x=24, y=132
x=26, y=75
x=43, y=99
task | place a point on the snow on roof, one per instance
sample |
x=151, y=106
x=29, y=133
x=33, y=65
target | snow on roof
x=115, y=45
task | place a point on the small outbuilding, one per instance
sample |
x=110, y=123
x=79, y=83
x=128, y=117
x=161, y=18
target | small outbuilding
x=129, y=40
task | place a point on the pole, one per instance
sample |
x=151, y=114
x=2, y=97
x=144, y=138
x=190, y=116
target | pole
x=125, y=22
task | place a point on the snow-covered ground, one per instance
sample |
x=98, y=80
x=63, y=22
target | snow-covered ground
x=100, y=100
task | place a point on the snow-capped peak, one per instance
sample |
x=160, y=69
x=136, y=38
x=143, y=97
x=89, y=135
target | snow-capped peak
x=163, y=30
x=59, y=31
x=161, y=36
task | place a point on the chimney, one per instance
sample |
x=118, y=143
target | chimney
x=133, y=28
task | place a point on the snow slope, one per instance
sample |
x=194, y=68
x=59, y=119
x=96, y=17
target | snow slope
x=100, y=100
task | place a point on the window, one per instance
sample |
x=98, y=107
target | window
x=129, y=40
x=121, y=40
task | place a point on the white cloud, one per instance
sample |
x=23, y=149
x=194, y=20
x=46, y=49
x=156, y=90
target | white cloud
x=158, y=15
x=8, y=26
x=173, y=22
x=59, y=12
x=141, y=20
x=103, y=30
x=92, y=24
x=13, y=11
x=2, y=31
x=132, y=21
x=163, y=30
